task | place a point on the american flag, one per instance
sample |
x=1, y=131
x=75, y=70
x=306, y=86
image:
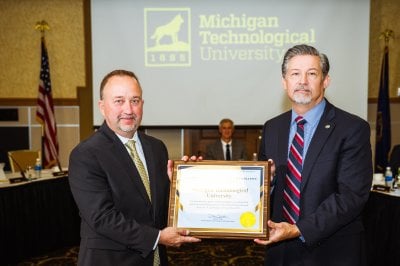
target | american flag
x=45, y=113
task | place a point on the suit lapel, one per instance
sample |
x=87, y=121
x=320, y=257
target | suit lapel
x=219, y=150
x=323, y=131
x=283, y=139
x=126, y=162
x=235, y=151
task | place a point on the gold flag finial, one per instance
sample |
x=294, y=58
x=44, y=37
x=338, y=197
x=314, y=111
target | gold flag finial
x=42, y=26
x=387, y=34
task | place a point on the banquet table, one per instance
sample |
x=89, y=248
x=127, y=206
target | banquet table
x=40, y=216
x=382, y=227
x=36, y=217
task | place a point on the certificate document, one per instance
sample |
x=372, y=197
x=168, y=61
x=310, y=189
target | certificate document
x=219, y=199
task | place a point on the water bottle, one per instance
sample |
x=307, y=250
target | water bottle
x=388, y=177
x=38, y=168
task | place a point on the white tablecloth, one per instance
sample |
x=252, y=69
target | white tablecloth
x=45, y=175
x=393, y=192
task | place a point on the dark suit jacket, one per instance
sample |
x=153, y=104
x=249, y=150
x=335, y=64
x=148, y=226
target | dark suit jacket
x=214, y=151
x=119, y=223
x=337, y=177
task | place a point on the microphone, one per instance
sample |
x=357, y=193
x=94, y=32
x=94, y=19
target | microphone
x=18, y=179
x=61, y=172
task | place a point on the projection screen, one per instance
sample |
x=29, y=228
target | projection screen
x=200, y=61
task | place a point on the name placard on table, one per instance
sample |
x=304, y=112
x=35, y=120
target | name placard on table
x=16, y=179
x=221, y=199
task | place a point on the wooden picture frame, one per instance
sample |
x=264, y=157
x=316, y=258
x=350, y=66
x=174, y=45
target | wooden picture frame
x=221, y=199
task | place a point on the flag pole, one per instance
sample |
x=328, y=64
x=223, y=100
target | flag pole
x=383, y=122
x=42, y=26
x=387, y=34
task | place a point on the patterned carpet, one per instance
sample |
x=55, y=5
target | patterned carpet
x=218, y=252
x=63, y=257
x=209, y=252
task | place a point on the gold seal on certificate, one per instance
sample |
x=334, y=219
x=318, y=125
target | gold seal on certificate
x=248, y=219
x=221, y=199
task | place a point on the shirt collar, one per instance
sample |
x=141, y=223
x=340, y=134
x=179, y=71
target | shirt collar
x=312, y=116
x=125, y=140
x=225, y=143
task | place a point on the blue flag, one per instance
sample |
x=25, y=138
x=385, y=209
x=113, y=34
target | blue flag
x=383, y=131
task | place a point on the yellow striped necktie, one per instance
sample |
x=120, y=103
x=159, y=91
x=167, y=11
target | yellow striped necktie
x=139, y=165
x=146, y=182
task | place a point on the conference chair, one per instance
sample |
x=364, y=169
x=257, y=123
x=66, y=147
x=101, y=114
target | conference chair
x=21, y=159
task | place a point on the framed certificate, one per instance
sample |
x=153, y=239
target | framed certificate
x=221, y=199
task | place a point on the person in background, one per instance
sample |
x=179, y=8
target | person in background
x=323, y=171
x=120, y=181
x=226, y=148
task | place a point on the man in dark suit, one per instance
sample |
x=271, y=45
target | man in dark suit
x=226, y=148
x=332, y=170
x=123, y=202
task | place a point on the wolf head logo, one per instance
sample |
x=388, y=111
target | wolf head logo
x=170, y=29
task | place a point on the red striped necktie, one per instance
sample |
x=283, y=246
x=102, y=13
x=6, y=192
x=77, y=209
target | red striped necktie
x=291, y=197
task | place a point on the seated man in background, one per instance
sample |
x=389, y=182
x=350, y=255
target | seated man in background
x=226, y=148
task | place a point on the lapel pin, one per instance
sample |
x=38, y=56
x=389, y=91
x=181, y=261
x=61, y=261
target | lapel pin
x=327, y=126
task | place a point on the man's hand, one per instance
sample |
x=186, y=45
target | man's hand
x=173, y=237
x=170, y=166
x=273, y=169
x=192, y=158
x=278, y=232
x=170, y=169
